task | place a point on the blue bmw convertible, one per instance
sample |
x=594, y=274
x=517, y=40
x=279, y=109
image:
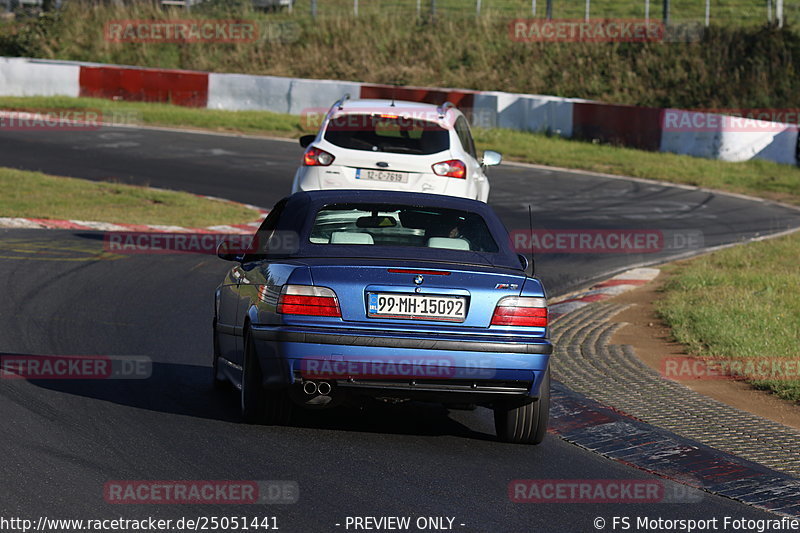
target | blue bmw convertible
x=346, y=296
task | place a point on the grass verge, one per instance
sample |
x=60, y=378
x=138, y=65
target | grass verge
x=36, y=195
x=741, y=304
x=758, y=178
x=154, y=114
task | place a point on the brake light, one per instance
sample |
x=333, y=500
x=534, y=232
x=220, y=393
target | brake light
x=314, y=157
x=520, y=311
x=452, y=169
x=414, y=271
x=308, y=300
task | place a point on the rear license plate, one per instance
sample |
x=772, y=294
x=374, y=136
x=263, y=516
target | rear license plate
x=419, y=306
x=381, y=175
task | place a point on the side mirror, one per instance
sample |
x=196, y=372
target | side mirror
x=224, y=252
x=305, y=140
x=491, y=158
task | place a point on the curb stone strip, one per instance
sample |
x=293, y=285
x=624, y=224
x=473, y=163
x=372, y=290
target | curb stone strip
x=616, y=285
x=619, y=421
x=614, y=375
x=590, y=425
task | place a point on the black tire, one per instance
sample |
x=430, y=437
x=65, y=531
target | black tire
x=258, y=405
x=525, y=424
x=219, y=384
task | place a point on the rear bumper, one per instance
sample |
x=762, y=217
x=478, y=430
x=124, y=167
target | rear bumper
x=367, y=338
x=335, y=177
x=376, y=365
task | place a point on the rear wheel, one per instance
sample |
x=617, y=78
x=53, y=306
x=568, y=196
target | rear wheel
x=525, y=424
x=260, y=406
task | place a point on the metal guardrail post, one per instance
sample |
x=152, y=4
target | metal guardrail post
x=549, y=14
x=666, y=12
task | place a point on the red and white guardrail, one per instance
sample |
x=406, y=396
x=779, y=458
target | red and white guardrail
x=696, y=133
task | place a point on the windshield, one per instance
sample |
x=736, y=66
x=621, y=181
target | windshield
x=378, y=133
x=392, y=225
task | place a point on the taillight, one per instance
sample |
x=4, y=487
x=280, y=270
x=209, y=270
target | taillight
x=314, y=157
x=452, y=169
x=520, y=311
x=308, y=300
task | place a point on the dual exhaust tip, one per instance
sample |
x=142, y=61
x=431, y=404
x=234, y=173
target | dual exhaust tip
x=312, y=387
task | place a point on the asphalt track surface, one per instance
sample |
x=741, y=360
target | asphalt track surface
x=63, y=440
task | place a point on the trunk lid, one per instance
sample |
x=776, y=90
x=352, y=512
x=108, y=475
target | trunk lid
x=480, y=288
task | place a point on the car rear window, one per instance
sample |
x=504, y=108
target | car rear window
x=401, y=225
x=381, y=133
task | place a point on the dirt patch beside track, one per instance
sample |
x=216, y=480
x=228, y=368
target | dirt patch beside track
x=652, y=340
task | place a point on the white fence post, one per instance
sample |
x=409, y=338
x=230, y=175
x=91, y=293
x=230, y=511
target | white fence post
x=586, y=14
x=708, y=12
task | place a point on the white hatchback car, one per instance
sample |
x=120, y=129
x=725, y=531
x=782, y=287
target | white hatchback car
x=394, y=145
